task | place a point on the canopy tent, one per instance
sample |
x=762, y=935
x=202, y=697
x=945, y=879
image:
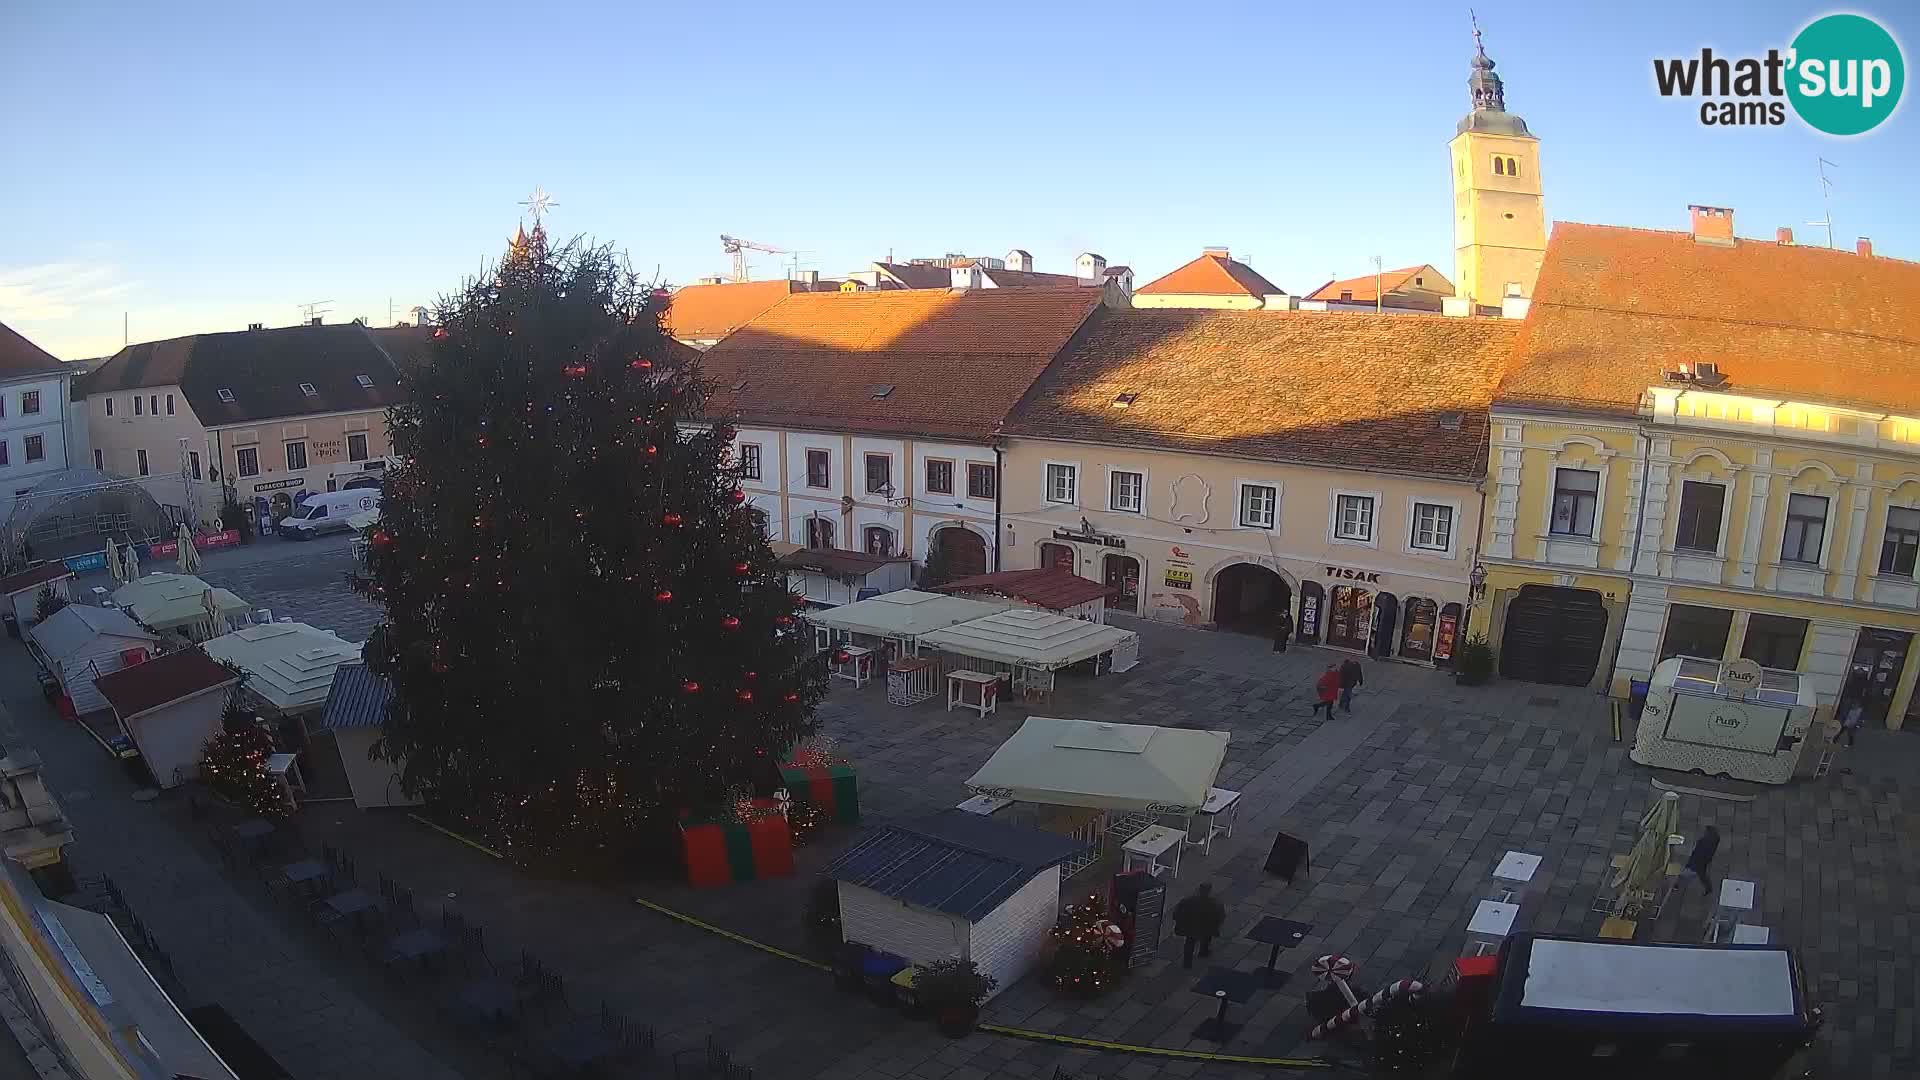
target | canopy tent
x=1038, y=640
x=908, y=614
x=289, y=665
x=171, y=601
x=1104, y=766
x=75, y=510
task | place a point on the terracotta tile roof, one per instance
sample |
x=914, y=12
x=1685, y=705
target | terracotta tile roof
x=18, y=356
x=1047, y=587
x=955, y=361
x=1392, y=281
x=711, y=312
x=1212, y=275
x=34, y=578
x=142, y=687
x=1407, y=393
x=917, y=277
x=1616, y=308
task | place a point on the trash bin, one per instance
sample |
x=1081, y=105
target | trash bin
x=13, y=624
x=1636, y=698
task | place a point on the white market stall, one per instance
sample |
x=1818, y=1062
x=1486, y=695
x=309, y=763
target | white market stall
x=170, y=707
x=898, y=619
x=81, y=643
x=1733, y=719
x=355, y=715
x=20, y=593
x=181, y=603
x=1088, y=779
x=1030, y=645
x=289, y=665
x=830, y=576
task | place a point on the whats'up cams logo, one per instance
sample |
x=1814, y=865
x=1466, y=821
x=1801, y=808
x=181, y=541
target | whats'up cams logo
x=1842, y=75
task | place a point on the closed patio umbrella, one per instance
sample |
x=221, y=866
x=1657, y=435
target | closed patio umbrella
x=1648, y=863
x=133, y=563
x=189, y=555
x=113, y=561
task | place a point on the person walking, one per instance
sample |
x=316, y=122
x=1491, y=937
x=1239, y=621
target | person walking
x=1700, y=863
x=1852, y=718
x=1282, y=631
x=1198, y=919
x=1350, y=678
x=1327, y=687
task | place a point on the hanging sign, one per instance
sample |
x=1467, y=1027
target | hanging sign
x=276, y=485
x=1444, y=637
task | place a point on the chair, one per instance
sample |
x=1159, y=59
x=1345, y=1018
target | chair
x=633, y=1040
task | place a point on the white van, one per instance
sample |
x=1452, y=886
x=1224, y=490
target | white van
x=327, y=511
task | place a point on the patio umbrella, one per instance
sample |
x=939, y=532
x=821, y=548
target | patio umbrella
x=1648, y=863
x=189, y=555
x=113, y=561
x=133, y=563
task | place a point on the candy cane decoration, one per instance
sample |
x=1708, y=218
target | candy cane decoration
x=1407, y=988
x=1337, y=969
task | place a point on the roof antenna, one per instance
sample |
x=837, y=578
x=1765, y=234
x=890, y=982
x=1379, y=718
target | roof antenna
x=1826, y=198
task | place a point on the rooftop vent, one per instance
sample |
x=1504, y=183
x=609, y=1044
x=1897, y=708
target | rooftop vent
x=256, y=326
x=307, y=389
x=226, y=395
x=1125, y=401
x=880, y=391
x=365, y=381
x=739, y=385
x=1703, y=373
x=1450, y=421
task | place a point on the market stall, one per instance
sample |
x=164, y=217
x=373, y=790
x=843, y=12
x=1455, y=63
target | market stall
x=1732, y=719
x=20, y=593
x=181, y=603
x=1049, y=589
x=289, y=665
x=829, y=577
x=169, y=707
x=898, y=620
x=81, y=643
x=1090, y=779
x=354, y=718
x=1030, y=645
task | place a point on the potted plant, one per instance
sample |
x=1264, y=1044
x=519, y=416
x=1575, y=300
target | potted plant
x=953, y=990
x=1474, y=665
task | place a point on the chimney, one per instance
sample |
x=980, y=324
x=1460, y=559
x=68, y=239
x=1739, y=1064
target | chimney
x=965, y=275
x=1090, y=266
x=419, y=316
x=315, y=321
x=1019, y=259
x=808, y=278
x=1784, y=236
x=1863, y=246
x=1216, y=252
x=1712, y=225
x=256, y=326
x=711, y=279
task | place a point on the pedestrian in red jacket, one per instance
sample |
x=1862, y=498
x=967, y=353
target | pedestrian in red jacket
x=1328, y=688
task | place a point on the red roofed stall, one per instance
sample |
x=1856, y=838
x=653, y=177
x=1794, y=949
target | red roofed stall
x=1048, y=588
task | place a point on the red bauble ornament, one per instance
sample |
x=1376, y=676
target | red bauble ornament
x=750, y=675
x=783, y=621
x=641, y=365
x=382, y=539
x=483, y=440
x=574, y=371
x=439, y=333
x=842, y=656
x=737, y=496
x=664, y=596
x=744, y=696
x=730, y=622
x=652, y=450
x=439, y=667
x=742, y=569
x=790, y=697
x=670, y=518
x=689, y=687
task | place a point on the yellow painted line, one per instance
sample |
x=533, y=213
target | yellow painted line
x=730, y=935
x=1156, y=1051
x=474, y=844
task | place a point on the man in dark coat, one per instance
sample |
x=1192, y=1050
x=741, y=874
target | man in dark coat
x=1282, y=631
x=1700, y=863
x=1350, y=677
x=1198, y=919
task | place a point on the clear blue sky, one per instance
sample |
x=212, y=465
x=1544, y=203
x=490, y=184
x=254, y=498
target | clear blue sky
x=201, y=167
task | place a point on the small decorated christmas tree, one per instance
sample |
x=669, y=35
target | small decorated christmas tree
x=235, y=762
x=1087, y=949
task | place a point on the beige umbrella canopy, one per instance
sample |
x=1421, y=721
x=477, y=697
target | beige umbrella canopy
x=1647, y=866
x=113, y=561
x=133, y=562
x=189, y=555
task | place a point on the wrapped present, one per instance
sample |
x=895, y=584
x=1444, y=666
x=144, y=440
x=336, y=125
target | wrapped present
x=723, y=852
x=833, y=789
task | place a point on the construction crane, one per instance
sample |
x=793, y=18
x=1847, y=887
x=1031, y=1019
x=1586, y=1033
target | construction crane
x=738, y=248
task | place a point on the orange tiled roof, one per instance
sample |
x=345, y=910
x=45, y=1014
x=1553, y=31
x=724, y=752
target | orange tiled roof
x=1350, y=390
x=1616, y=308
x=1212, y=275
x=955, y=361
x=710, y=312
x=1390, y=282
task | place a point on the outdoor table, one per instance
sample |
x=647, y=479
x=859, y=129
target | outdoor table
x=488, y=1000
x=1281, y=934
x=1515, y=870
x=350, y=903
x=416, y=945
x=1148, y=845
x=1736, y=897
x=1220, y=801
x=987, y=691
x=984, y=805
x=575, y=1048
x=858, y=669
x=304, y=872
x=1492, y=922
x=1749, y=934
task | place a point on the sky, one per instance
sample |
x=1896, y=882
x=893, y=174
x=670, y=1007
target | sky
x=188, y=167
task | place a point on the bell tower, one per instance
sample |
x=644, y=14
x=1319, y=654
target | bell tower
x=1499, y=217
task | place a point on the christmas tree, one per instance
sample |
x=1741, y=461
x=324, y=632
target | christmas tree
x=586, y=632
x=1087, y=946
x=234, y=763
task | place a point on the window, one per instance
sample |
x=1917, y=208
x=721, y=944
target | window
x=226, y=395
x=365, y=381
x=1902, y=541
x=296, y=455
x=760, y=521
x=1126, y=491
x=1696, y=631
x=169, y=404
x=939, y=476
x=1062, y=483
x=356, y=446
x=247, y=460
x=1432, y=526
x=1499, y=165
x=193, y=463
x=1700, y=507
x=1259, y=505
x=1806, y=529
x=880, y=475
x=99, y=460
x=749, y=461
x=142, y=456
x=30, y=403
x=36, y=448
x=139, y=405
x=819, y=533
x=3, y=451
x=1775, y=641
x=1576, y=492
x=879, y=541
x=153, y=404
x=819, y=469
x=109, y=406
x=1353, y=517
x=982, y=480
x=317, y=512
x=307, y=389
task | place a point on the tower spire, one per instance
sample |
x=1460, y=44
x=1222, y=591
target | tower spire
x=1483, y=85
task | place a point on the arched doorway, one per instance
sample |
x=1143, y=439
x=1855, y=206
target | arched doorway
x=1386, y=617
x=1122, y=574
x=1416, y=635
x=1057, y=557
x=1249, y=598
x=819, y=533
x=963, y=551
x=879, y=541
x=1349, y=618
x=1553, y=635
x=281, y=504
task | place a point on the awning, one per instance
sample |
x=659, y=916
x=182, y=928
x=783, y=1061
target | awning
x=164, y=601
x=1047, y=587
x=1109, y=766
x=907, y=613
x=1030, y=638
x=290, y=665
x=835, y=561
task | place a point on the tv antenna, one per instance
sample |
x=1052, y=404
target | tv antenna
x=312, y=311
x=1826, y=199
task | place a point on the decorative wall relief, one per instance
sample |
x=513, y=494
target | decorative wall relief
x=1191, y=498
